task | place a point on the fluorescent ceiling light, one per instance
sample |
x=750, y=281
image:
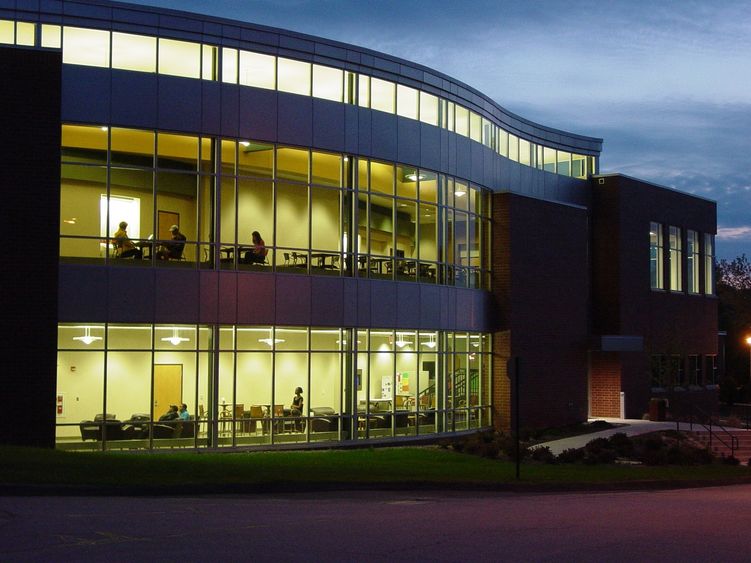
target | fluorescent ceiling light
x=87, y=338
x=175, y=339
x=271, y=341
x=460, y=193
x=414, y=177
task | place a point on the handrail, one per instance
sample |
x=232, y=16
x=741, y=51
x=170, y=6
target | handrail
x=733, y=438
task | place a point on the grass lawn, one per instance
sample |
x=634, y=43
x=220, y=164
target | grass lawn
x=386, y=466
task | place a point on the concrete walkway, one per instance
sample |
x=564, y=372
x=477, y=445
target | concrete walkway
x=629, y=427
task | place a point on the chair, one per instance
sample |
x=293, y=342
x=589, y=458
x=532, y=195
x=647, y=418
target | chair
x=257, y=415
x=286, y=258
x=238, y=415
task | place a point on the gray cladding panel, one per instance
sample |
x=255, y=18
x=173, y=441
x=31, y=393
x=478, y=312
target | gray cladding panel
x=295, y=119
x=258, y=114
x=179, y=104
x=134, y=98
x=177, y=296
x=328, y=125
x=165, y=295
x=85, y=94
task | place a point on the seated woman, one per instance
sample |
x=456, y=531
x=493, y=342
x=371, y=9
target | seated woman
x=256, y=254
x=124, y=247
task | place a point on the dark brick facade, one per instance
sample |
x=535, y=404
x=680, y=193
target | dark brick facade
x=541, y=286
x=623, y=301
x=30, y=101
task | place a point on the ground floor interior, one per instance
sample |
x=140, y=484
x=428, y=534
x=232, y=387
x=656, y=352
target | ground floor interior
x=238, y=384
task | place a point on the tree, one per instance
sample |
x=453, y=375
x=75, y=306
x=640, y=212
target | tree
x=734, y=294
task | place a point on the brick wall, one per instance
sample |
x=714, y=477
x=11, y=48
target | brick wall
x=540, y=286
x=605, y=384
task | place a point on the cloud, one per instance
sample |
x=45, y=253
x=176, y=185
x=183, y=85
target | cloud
x=734, y=233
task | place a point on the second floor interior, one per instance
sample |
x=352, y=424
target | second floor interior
x=314, y=212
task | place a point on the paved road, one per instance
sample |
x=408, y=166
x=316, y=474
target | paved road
x=688, y=525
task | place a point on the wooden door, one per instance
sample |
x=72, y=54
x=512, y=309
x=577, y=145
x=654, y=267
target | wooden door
x=165, y=219
x=168, y=388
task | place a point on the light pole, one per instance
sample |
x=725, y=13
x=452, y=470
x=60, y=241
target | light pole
x=748, y=341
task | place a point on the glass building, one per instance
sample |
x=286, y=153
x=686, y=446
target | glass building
x=294, y=240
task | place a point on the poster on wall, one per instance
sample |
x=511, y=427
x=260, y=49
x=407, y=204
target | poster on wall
x=60, y=405
x=386, y=387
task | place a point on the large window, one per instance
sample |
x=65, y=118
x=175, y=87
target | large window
x=693, y=261
x=117, y=383
x=302, y=204
x=709, y=265
x=676, y=259
x=655, y=256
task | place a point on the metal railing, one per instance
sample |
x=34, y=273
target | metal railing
x=724, y=437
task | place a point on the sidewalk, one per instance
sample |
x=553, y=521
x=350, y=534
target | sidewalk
x=629, y=427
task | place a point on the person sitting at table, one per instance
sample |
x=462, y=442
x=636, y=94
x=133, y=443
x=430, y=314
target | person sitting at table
x=295, y=409
x=256, y=254
x=172, y=250
x=171, y=414
x=184, y=414
x=124, y=247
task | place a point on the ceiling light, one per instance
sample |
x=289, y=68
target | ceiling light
x=400, y=341
x=245, y=143
x=87, y=338
x=175, y=339
x=460, y=193
x=271, y=341
x=104, y=129
x=413, y=177
x=431, y=343
x=346, y=159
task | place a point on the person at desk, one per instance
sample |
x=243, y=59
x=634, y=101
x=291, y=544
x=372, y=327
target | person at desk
x=171, y=414
x=124, y=247
x=256, y=254
x=172, y=250
x=184, y=414
x=295, y=409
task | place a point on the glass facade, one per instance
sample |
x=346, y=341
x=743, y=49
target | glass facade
x=655, y=256
x=316, y=212
x=187, y=59
x=117, y=382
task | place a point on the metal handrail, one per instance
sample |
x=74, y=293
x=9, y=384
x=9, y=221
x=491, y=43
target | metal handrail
x=733, y=438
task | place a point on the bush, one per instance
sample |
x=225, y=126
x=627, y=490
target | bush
x=731, y=460
x=542, y=455
x=571, y=455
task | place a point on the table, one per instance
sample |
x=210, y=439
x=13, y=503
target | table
x=228, y=251
x=325, y=259
x=376, y=264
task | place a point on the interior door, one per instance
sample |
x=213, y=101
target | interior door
x=168, y=388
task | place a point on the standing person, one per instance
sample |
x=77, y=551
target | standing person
x=173, y=250
x=295, y=409
x=124, y=247
x=257, y=254
x=184, y=414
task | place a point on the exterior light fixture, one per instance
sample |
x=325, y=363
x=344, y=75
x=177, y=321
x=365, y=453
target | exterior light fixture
x=87, y=338
x=175, y=339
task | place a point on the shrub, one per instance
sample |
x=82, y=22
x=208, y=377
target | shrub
x=731, y=460
x=571, y=455
x=542, y=455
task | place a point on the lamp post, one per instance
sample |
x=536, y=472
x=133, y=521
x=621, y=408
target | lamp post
x=748, y=341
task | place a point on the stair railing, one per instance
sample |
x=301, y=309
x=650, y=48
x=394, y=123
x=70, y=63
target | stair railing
x=709, y=426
